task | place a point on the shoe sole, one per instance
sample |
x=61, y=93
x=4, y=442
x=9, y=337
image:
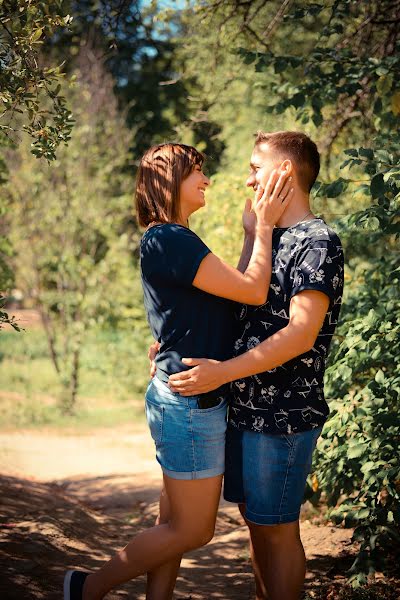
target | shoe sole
x=67, y=585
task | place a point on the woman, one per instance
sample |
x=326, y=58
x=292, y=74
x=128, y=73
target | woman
x=187, y=290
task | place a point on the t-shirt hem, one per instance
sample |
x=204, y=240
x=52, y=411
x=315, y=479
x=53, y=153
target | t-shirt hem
x=275, y=431
x=314, y=288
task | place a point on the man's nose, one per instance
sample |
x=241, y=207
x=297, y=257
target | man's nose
x=250, y=181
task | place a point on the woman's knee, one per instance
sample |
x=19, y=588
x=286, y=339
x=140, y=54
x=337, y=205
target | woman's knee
x=197, y=537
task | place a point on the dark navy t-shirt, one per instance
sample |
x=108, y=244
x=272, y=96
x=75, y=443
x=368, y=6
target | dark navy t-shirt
x=290, y=398
x=185, y=320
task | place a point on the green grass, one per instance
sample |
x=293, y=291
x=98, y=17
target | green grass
x=114, y=376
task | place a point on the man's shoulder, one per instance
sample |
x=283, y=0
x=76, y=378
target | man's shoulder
x=317, y=232
x=319, y=229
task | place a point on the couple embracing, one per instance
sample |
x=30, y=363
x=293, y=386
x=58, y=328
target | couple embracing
x=240, y=355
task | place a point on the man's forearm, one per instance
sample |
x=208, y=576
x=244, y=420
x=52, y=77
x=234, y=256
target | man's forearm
x=247, y=251
x=289, y=342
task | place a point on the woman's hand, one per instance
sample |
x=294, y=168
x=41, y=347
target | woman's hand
x=206, y=375
x=270, y=204
x=151, y=355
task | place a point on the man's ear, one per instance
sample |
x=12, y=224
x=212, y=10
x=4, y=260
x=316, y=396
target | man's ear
x=286, y=166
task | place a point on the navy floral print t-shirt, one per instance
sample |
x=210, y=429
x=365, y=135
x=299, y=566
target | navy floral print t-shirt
x=290, y=398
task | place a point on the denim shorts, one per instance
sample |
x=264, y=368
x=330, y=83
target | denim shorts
x=190, y=441
x=268, y=473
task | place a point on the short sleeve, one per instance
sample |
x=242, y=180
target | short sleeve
x=320, y=267
x=175, y=251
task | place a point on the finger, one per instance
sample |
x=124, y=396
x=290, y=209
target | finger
x=179, y=377
x=248, y=205
x=258, y=195
x=182, y=388
x=192, y=361
x=288, y=198
x=287, y=185
x=185, y=391
x=283, y=177
x=181, y=384
x=270, y=184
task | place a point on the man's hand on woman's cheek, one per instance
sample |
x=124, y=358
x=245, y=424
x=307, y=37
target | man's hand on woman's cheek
x=206, y=375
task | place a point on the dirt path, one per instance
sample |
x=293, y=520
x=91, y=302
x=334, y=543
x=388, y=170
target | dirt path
x=69, y=501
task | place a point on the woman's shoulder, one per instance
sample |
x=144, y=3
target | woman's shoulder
x=167, y=231
x=164, y=236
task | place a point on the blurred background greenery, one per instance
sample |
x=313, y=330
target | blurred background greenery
x=86, y=87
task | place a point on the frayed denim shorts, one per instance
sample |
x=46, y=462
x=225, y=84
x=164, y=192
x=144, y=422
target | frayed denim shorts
x=268, y=472
x=189, y=441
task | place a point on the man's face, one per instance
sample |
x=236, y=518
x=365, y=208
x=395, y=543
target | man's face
x=262, y=163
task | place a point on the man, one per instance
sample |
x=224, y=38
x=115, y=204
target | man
x=278, y=407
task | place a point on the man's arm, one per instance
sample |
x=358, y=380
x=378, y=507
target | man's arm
x=307, y=313
x=249, y=221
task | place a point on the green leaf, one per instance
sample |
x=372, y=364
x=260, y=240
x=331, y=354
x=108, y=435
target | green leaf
x=368, y=466
x=37, y=35
x=363, y=513
x=351, y=152
x=367, y=152
x=356, y=451
x=280, y=65
x=334, y=189
x=384, y=84
x=371, y=223
x=377, y=187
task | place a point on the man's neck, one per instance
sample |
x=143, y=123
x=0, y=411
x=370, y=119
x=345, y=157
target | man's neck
x=297, y=211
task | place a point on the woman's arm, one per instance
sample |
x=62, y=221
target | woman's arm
x=250, y=287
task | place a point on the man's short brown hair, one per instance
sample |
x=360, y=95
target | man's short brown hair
x=160, y=174
x=297, y=147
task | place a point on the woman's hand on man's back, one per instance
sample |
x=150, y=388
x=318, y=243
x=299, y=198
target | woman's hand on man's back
x=151, y=355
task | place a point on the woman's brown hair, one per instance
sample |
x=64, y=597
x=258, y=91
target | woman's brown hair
x=161, y=172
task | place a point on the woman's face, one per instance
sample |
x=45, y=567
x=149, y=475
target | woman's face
x=192, y=192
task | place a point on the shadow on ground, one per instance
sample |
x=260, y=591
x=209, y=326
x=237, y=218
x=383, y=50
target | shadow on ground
x=48, y=527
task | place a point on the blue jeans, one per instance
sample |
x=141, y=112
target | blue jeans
x=190, y=441
x=268, y=473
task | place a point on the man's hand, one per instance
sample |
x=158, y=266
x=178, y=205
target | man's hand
x=152, y=353
x=249, y=219
x=205, y=376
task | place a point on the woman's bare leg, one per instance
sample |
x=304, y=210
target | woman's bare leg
x=194, y=505
x=161, y=581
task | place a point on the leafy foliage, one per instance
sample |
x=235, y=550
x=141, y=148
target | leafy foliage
x=335, y=67
x=29, y=88
x=70, y=224
x=30, y=97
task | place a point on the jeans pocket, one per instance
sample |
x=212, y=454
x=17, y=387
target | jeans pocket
x=206, y=411
x=155, y=420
